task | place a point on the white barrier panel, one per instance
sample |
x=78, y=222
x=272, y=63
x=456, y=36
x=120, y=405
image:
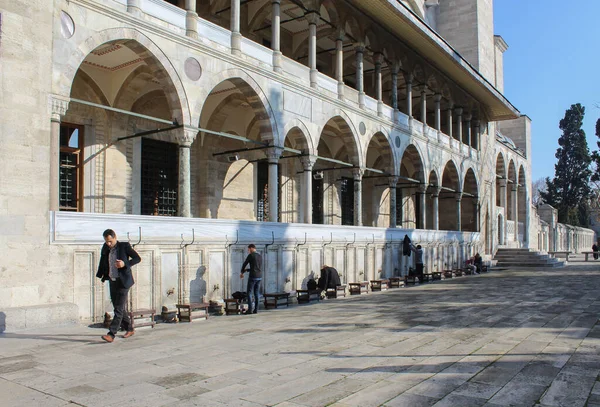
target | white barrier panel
x=212, y=32
x=164, y=11
x=257, y=51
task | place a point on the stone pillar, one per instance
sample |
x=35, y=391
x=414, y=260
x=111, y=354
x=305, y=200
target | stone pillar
x=424, y=105
x=236, y=36
x=515, y=209
x=422, y=193
x=313, y=19
x=477, y=135
x=358, y=174
x=459, y=118
x=191, y=19
x=58, y=108
x=476, y=213
x=400, y=213
x=503, y=198
x=185, y=138
x=273, y=155
x=276, y=34
x=450, y=121
x=379, y=83
x=409, y=95
x=438, y=112
x=468, y=128
x=436, y=207
x=339, y=64
x=135, y=7
x=394, y=100
x=458, y=214
x=360, y=80
x=307, y=163
x=393, y=181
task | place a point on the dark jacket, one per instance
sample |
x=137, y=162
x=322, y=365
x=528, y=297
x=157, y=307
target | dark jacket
x=124, y=252
x=329, y=278
x=406, y=246
x=255, y=262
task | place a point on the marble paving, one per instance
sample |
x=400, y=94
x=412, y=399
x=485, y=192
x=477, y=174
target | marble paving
x=506, y=338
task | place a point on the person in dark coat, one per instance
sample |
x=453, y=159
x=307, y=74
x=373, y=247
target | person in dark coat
x=116, y=260
x=406, y=246
x=254, y=260
x=329, y=278
x=595, y=250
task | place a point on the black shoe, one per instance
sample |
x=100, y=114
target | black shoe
x=247, y=312
x=255, y=312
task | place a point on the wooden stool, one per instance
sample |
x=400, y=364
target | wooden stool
x=191, y=311
x=233, y=306
x=272, y=299
x=338, y=291
x=142, y=314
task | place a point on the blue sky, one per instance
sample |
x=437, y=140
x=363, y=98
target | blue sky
x=552, y=62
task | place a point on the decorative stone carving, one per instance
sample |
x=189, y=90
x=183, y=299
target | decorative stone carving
x=58, y=106
x=308, y=162
x=185, y=137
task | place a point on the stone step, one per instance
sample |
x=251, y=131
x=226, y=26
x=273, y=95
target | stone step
x=525, y=258
x=531, y=265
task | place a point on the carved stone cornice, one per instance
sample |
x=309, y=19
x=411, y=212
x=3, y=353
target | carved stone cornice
x=308, y=161
x=358, y=173
x=185, y=137
x=58, y=106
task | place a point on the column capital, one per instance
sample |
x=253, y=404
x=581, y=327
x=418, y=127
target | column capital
x=458, y=195
x=273, y=154
x=437, y=98
x=515, y=187
x=436, y=189
x=468, y=116
x=393, y=181
x=424, y=89
x=378, y=58
x=459, y=111
x=312, y=17
x=58, y=106
x=340, y=34
x=422, y=188
x=276, y=2
x=409, y=78
x=502, y=182
x=359, y=47
x=185, y=137
x=358, y=173
x=308, y=161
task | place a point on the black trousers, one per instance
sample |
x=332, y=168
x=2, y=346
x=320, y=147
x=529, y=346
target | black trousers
x=420, y=272
x=118, y=296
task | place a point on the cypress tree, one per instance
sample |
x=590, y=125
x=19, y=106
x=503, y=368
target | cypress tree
x=570, y=190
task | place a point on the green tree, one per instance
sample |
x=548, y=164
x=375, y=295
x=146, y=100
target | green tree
x=569, y=190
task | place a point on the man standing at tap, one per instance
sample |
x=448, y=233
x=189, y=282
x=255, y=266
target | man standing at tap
x=254, y=260
x=418, y=250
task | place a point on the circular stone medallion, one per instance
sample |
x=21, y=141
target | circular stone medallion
x=397, y=141
x=192, y=69
x=362, y=128
x=67, y=26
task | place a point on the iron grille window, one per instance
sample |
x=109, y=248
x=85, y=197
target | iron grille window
x=160, y=178
x=399, y=206
x=70, y=173
x=347, y=188
x=317, y=201
x=262, y=193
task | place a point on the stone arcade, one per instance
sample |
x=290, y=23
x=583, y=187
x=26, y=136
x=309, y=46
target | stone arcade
x=321, y=130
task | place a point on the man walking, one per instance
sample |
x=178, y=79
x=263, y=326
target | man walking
x=254, y=260
x=418, y=250
x=116, y=260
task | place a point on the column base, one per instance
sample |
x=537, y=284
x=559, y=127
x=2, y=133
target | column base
x=379, y=108
x=191, y=24
x=340, y=88
x=236, y=44
x=361, y=100
x=277, y=62
x=135, y=11
x=313, y=78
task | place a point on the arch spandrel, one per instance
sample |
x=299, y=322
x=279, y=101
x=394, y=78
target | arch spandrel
x=347, y=129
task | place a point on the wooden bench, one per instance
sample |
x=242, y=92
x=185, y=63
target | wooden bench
x=142, y=314
x=359, y=288
x=395, y=282
x=378, y=285
x=448, y=274
x=272, y=299
x=427, y=277
x=338, y=291
x=233, y=306
x=436, y=275
x=588, y=253
x=305, y=296
x=191, y=311
x=560, y=253
x=410, y=280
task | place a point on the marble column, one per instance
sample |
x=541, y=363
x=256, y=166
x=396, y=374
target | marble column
x=400, y=212
x=339, y=64
x=422, y=194
x=450, y=119
x=503, y=198
x=437, y=99
x=276, y=34
x=459, y=118
x=307, y=163
x=358, y=174
x=476, y=213
x=515, y=209
x=409, y=96
x=458, y=214
x=313, y=19
x=273, y=155
x=185, y=138
x=436, y=207
x=135, y=7
x=58, y=108
x=236, y=36
x=393, y=181
x=191, y=19
x=468, y=128
x=394, y=101
x=360, y=80
x=424, y=105
x=477, y=137
x=378, y=59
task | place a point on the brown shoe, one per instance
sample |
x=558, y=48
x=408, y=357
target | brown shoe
x=128, y=334
x=108, y=338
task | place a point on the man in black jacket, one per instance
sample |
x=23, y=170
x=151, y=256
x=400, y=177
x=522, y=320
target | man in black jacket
x=254, y=260
x=116, y=259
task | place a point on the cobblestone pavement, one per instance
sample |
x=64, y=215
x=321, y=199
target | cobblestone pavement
x=506, y=338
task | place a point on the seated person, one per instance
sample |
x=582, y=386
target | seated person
x=478, y=262
x=470, y=265
x=329, y=278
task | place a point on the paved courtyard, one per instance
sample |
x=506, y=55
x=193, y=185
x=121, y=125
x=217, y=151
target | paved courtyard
x=506, y=338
